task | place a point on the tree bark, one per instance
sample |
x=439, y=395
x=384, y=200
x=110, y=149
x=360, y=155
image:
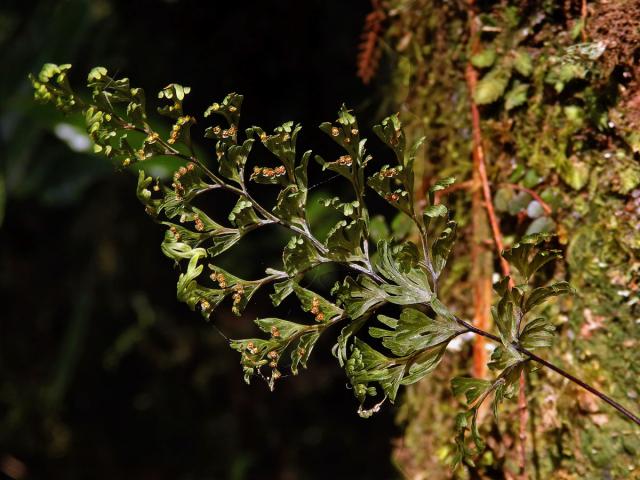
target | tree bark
x=560, y=124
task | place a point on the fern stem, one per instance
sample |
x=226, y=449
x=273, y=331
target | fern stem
x=631, y=416
x=621, y=409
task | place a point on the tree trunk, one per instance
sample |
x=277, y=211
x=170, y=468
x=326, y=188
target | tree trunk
x=558, y=94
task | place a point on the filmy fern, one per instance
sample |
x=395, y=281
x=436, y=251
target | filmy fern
x=378, y=353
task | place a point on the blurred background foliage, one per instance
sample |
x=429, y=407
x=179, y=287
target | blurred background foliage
x=103, y=374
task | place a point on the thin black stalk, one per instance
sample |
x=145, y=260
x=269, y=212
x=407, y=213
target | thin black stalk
x=629, y=415
x=634, y=418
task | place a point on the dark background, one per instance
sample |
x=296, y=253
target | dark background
x=103, y=374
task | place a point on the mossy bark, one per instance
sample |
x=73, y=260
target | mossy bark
x=559, y=97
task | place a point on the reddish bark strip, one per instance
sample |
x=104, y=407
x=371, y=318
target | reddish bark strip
x=481, y=259
x=480, y=174
x=583, y=17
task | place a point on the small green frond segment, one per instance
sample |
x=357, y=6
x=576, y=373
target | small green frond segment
x=229, y=108
x=388, y=183
x=467, y=422
x=348, y=209
x=359, y=296
x=538, y=333
x=471, y=388
x=414, y=331
x=527, y=257
x=476, y=391
x=395, y=183
x=542, y=294
x=504, y=317
x=282, y=143
x=345, y=132
x=366, y=366
x=505, y=356
x=408, y=281
x=52, y=85
x=285, y=336
x=300, y=255
x=435, y=211
x=344, y=241
x=439, y=186
x=174, y=94
x=442, y=247
x=391, y=133
x=282, y=290
x=322, y=309
x=193, y=293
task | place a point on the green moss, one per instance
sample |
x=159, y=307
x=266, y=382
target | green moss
x=571, y=129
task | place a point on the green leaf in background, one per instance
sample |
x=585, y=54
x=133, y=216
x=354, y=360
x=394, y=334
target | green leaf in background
x=484, y=59
x=493, y=85
x=516, y=96
x=522, y=62
x=541, y=225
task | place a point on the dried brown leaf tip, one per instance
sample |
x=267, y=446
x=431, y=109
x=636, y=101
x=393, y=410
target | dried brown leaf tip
x=369, y=49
